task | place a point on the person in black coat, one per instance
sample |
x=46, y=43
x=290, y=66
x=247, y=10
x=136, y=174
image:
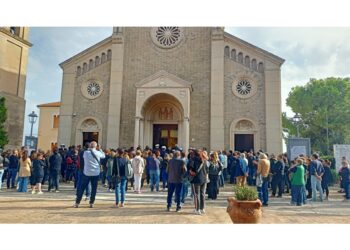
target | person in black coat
x=38, y=171
x=214, y=168
x=198, y=169
x=327, y=177
x=12, y=169
x=278, y=173
x=55, y=169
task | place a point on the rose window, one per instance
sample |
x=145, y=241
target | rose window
x=167, y=37
x=244, y=87
x=93, y=89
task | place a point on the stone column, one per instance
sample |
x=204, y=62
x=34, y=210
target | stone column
x=186, y=126
x=217, y=90
x=65, y=129
x=137, y=132
x=273, y=108
x=141, y=133
x=115, y=93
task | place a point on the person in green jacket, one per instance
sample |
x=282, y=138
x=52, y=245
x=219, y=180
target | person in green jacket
x=298, y=183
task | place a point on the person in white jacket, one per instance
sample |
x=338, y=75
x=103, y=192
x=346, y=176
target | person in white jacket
x=138, y=165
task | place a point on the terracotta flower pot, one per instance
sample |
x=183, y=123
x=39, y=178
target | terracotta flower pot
x=244, y=211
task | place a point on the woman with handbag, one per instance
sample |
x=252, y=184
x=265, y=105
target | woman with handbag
x=214, y=169
x=198, y=170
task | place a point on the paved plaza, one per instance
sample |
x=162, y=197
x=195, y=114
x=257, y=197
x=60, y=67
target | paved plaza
x=56, y=208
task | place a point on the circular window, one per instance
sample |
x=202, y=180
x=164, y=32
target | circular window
x=91, y=89
x=166, y=37
x=244, y=88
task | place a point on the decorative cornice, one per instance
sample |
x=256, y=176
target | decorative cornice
x=3, y=30
x=273, y=57
x=86, y=51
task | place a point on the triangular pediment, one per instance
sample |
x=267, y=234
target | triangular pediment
x=163, y=79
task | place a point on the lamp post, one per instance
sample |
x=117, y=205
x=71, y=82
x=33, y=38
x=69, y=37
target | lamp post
x=297, y=119
x=32, y=119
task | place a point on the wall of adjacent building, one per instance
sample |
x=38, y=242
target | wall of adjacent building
x=13, y=71
x=47, y=133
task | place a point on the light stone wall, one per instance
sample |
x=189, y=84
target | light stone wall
x=74, y=106
x=15, y=119
x=47, y=134
x=236, y=108
x=190, y=61
x=98, y=107
x=13, y=72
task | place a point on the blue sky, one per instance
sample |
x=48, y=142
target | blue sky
x=309, y=53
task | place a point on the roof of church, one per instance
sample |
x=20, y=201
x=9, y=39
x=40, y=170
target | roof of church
x=95, y=46
x=278, y=59
x=265, y=52
x=50, y=104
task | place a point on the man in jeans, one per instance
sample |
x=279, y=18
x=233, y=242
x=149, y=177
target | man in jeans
x=176, y=170
x=91, y=172
x=316, y=172
x=263, y=170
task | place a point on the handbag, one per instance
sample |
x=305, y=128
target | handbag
x=193, y=174
x=259, y=180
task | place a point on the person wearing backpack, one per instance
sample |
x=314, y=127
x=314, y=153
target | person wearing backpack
x=138, y=166
x=91, y=172
x=198, y=169
x=119, y=176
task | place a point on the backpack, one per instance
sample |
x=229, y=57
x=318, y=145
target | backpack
x=137, y=165
x=128, y=170
x=69, y=160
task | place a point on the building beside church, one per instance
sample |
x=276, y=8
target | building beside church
x=186, y=86
x=14, y=48
x=48, y=125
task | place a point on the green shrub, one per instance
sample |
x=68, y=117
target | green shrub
x=245, y=193
x=335, y=177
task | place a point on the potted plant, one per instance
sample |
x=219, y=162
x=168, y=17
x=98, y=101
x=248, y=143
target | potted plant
x=244, y=207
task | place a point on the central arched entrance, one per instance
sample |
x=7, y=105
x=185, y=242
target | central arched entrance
x=162, y=112
x=162, y=121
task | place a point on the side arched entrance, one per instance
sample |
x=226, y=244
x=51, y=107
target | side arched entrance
x=244, y=135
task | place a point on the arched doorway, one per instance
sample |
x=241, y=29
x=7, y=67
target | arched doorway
x=162, y=122
x=162, y=104
x=88, y=129
x=244, y=135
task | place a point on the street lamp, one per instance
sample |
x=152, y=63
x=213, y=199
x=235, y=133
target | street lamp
x=297, y=119
x=32, y=119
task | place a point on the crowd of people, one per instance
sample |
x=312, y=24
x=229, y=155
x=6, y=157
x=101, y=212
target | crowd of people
x=195, y=173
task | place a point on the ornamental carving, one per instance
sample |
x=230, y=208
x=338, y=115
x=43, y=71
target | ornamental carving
x=166, y=113
x=244, y=125
x=89, y=124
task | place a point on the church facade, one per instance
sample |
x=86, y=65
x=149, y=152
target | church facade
x=186, y=86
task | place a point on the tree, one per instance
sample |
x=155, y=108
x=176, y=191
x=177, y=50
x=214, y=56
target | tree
x=3, y=116
x=324, y=107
